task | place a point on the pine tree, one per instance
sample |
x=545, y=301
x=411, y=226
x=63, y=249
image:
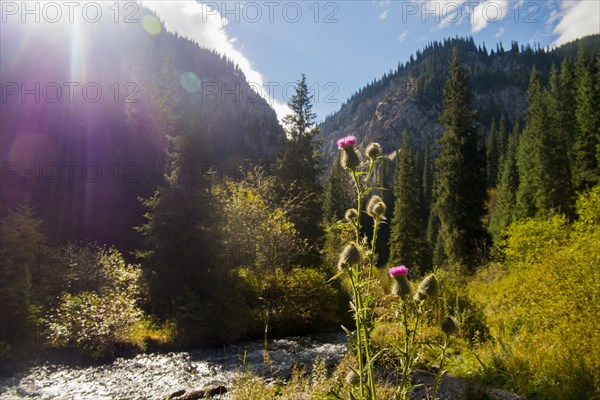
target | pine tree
x=461, y=174
x=407, y=240
x=508, y=183
x=299, y=169
x=492, y=155
x=181, y=236
x=502, y=139
x=528, y=153
x=567, y=105
x=542, y=157
x=23, y=242
x=427, y=185
x=557, y=147
x=585, y=168
x=597, y=108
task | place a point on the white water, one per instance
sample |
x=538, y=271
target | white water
x=157, y=375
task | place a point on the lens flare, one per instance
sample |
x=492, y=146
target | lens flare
x=152, y=25
x=190, y=81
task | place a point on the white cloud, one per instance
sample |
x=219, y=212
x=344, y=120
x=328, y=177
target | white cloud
x=489, y=11
x=577, y=19
x=403, y=36
x=206, y=26
x=500, y=31
x=442, y=8
x=384, y=14
x=480, y=13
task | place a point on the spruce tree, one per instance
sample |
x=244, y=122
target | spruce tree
x=529, y=151
x=407, y=240
x=502, y=139
x=492, y=155
x=298, y=168
x=508, y=183
x=461, y=173
x=542, y=156
x=23, y=242
x=181, y=233
x=585, y=168
x=567, y=105
x=427, y=185
x=557, y=147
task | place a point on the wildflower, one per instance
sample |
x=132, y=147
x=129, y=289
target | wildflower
x=395, y=271
x=401, y=286
x=449, y=325
x=346, y=142
x=376, y=207
x=373, y=151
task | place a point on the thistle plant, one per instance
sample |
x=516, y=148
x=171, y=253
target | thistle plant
x=357, y=260
x=449, y=327
x=415, y=303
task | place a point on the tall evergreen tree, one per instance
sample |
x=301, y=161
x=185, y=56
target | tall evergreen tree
x=22, y=244
x=544, y=181
x=508, y=183
x=598, y=108
x=557, y=146
x=181, y=235
x=427, y=185
x=407, y=240
x=299, y=170
x=492, y=155
x=502, y=139
x=528, y=153
x=585, y=168
x=567, y=106
x=461, y=174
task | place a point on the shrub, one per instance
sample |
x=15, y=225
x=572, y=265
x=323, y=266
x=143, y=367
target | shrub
x=543, y=306
x=94, y=321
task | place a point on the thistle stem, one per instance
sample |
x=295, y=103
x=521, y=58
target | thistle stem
x=440, y=371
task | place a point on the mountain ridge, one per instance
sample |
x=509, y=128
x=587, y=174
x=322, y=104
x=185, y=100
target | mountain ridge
x=410, y=97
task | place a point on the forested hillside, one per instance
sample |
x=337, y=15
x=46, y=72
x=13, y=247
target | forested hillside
x=410, y=96
x=92, y=134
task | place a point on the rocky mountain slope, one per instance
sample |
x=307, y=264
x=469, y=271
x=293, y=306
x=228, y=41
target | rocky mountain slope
x=410, y=97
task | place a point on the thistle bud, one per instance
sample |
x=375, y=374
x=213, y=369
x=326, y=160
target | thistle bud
x=449, y=325
x=351, y=214
x=373, y=151
x=352, y=377
x=349, y=256
x=419, y=296
x=350, y=158
x=428, y=286
x=376, y=207
x=401, y=287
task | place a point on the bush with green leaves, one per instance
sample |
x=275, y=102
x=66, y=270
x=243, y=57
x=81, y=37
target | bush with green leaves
x=258, y=253
x=542, y=305
x=94, y=321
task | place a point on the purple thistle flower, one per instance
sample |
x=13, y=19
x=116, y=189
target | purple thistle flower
x=347, y=141
x=401, y=270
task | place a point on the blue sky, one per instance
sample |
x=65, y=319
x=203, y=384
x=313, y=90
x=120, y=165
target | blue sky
x=342, y=45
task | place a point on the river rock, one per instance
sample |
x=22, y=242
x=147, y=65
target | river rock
x=198, y=394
